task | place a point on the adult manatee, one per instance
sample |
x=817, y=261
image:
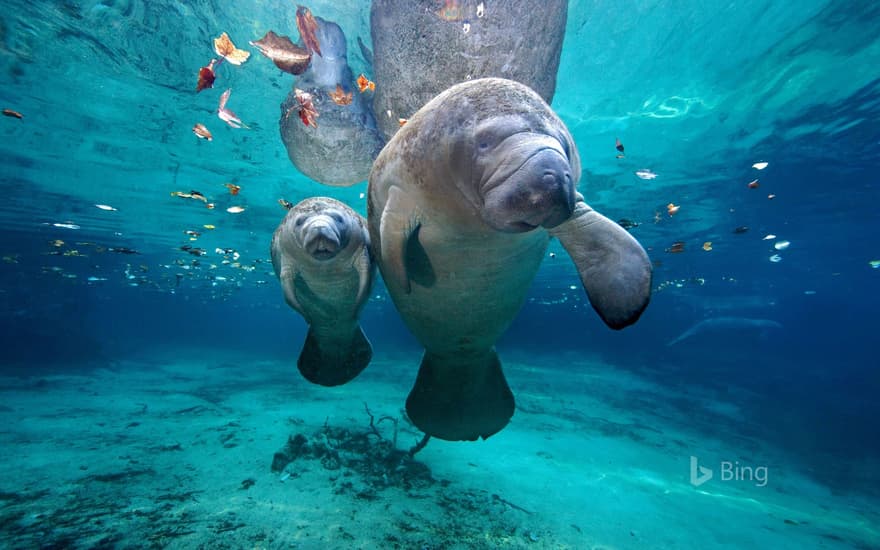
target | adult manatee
x=463, y=201
x=421, y=47
x=320, y=253
x=342, y=148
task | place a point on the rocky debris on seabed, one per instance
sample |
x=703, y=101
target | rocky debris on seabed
x=374, y=460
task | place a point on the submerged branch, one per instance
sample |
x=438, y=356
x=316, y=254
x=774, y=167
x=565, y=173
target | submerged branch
x=419, y=446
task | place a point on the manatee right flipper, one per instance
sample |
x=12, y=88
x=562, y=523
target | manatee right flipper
x=287, y=276
x=460, y=397
x=397, y=227
x=614, y=268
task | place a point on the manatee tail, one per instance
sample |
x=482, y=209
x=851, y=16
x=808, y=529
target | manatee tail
x=333, y=362
x=460, y=397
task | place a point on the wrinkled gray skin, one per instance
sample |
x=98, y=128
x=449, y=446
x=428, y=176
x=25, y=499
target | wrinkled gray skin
x=321, y=256
x=341, y=149
x=417, y=54
x=463, y=201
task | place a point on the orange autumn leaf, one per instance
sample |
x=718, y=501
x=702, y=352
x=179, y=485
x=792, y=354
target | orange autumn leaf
x=226, y=49
x=339, y=97
x=365, y=84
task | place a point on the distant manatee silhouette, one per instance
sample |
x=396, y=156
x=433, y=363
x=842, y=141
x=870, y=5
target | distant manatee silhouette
x=722, y=324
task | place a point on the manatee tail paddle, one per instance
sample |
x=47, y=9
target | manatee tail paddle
x=334, y=361
x=460, y=397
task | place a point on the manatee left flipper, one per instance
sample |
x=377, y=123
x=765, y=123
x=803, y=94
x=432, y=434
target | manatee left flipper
x=613, y=266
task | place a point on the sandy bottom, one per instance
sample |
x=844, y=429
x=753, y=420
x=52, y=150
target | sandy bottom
x=178, y=453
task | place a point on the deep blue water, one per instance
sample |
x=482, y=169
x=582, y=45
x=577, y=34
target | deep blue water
x=697, y=92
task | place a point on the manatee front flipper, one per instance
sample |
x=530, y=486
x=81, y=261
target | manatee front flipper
x=460, y=396
x=397, y=226
x=288, y=277
x=334, y=359
x=613, y=266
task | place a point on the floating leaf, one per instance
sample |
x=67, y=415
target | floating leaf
x=191, y=195
x=286, y=55
x=206, y=76
x=226, y=115
x=307, y=112
x=202, y=131
x=339, y=97
x=452, y=10
x=307, y=26
x=227, y=50
x=365, y=84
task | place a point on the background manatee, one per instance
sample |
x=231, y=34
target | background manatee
x=420, y=48
x=341, y=149
x=320, y=254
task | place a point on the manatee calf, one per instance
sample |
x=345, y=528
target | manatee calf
x=341, y=150
x=721, y=325
x=463, y=201
x=321, y=256
x=421, y=47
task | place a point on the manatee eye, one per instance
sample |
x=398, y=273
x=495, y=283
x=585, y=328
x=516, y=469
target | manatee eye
x=337, y=217
x=299, y=221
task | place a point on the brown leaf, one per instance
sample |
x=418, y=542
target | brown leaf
x=307, y=26
x=206, y=77
x=286, y=55
x=307, y=112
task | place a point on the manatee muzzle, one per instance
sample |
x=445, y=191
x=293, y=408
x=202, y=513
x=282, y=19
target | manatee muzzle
x=540, y=192
x=322, y=238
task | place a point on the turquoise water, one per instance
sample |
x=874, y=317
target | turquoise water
x=106, y=321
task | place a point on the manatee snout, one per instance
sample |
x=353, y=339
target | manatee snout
x=540, y=193
x=322, y=238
